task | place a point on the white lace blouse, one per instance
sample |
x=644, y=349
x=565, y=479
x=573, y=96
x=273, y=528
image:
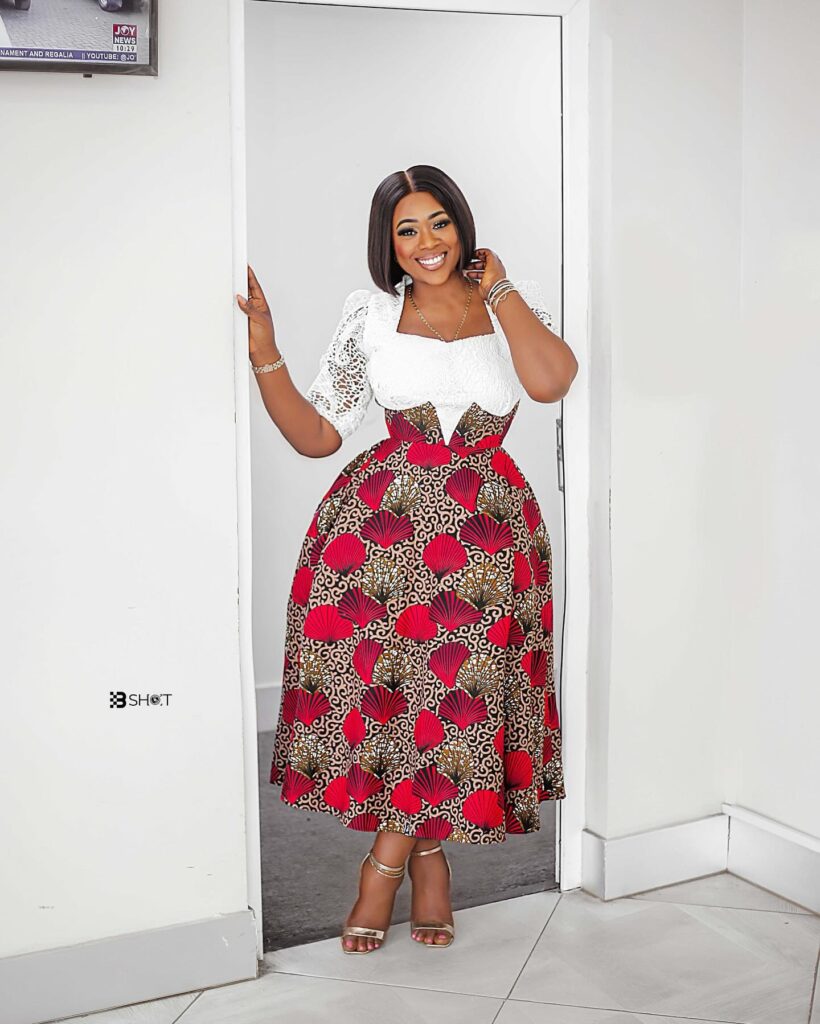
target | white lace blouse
x=367, y=358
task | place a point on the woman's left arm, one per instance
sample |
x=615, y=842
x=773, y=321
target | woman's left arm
x=543, y=361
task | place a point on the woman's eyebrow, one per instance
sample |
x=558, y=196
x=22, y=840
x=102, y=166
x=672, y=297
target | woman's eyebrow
x=414, y=220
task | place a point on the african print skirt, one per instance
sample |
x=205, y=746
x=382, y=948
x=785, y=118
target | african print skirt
x=418, y=689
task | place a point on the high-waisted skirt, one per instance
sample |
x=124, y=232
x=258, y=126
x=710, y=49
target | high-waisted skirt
x=418, y=687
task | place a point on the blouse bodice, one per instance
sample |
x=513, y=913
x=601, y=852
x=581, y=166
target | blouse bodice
x=368, y=358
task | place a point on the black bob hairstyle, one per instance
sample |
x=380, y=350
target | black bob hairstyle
x=381, y=259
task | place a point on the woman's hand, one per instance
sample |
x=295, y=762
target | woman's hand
x=261, y=335
x=489, y=269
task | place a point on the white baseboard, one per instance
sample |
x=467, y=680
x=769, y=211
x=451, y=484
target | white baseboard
x=125, y=969
x=764, y=852
x=775, y=857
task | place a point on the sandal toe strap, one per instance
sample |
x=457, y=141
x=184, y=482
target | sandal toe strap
x=434, y=926
x=369, y=933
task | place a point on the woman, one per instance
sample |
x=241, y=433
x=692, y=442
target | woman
x=418, y=696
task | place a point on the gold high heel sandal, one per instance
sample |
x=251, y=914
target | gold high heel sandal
x=359, y=931
x=433, y=926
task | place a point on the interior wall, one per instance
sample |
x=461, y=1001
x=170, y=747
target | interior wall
x=704, y=257
x=119, y=512
x=775, y=467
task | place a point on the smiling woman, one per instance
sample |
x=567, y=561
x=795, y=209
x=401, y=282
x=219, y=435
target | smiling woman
x=418, y=697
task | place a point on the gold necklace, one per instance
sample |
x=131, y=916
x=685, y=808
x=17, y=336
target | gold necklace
x=409, y=290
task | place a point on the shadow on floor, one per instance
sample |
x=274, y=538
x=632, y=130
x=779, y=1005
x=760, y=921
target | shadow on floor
x=310, y=863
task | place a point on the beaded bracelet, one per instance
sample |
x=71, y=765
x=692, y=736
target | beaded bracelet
x=268, y=367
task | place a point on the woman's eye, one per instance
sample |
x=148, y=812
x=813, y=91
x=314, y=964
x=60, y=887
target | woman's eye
x=406, y=231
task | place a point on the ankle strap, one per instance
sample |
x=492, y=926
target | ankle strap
x=422, y=853
x=385, y=868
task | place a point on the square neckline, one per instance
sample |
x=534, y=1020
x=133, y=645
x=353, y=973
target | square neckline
x=426, y=337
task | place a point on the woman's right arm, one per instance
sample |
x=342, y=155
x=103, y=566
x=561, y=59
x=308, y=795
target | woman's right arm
x=298, y=420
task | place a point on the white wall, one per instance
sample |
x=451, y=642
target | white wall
x=119, y=511
x=704, y=312
x=773, y=398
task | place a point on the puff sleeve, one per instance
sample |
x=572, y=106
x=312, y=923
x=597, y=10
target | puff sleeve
x=341, y=390
x=531, y=293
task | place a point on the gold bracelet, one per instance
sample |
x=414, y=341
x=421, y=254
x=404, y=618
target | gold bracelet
x=268, y=367
x=502, y=294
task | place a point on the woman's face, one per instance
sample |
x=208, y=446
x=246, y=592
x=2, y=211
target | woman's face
x=423, y=229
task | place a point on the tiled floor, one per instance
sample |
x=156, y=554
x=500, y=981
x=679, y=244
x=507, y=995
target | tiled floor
x=716, y=949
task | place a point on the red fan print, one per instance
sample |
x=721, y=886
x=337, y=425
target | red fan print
x=511, y=823
x=365, y=822
x=382, y=704
x=362, y=784
x=483, y=808
x=445, y=661
x=423, y=453
x=402, y=798
x=547, y=749
x=546, y=616
x=434, y=828
x=353, y=727
x=414, y=622
x=364, y=658
x=463, y=486
x=531, y=513
x=551, y=712
x=325, y=623
x=507, y=632
x=401, y=429
x=534, y=664
x=486, y=533
x=295, y=784
x=428, y=731
x=498, y=741
x=450, y=611
x=316, y=549
x=344, y=553
x=386, y=448
x=444, y=555
x=504, y=466
x=522, y=572
x=461, y=709
x=302, y=582
x=310, y=706
x=386, y=528
x=518, y=769
x=359, y=607
x=540, y=568
x=336, y=794
x=371, y=490
x=275, y=774
x=432, y=786
x=289, y=701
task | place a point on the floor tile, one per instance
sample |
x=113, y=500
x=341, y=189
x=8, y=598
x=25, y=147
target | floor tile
x=815, y=1016
x=722, y=890
x=292, y=999
x=673, y=959
x=518, y=1012
x=491, y=945
x=157, y=1011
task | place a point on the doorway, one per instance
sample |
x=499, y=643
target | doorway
x=336, y=98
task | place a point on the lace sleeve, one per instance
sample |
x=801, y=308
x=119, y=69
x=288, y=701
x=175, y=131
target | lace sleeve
x=531, y=293
x=341, y=391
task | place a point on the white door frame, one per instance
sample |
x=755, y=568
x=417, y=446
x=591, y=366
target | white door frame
x=575, y=412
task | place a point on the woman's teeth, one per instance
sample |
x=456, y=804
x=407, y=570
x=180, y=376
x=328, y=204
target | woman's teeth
x=434, y=262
